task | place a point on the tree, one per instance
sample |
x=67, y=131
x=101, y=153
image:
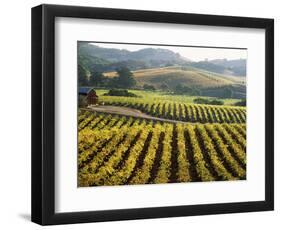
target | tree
x=164, y=87
x=125, y=78
x=120, y=93
x=196, y=92
x=242, y=102
x=148, y=87
x=178, y=89
x=82, y=76
x=184, y=89
x=227, y=93
x=207, y=101
x=97, y=79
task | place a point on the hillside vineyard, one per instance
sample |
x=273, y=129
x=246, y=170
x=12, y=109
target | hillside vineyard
x=183, y=111
x=118, y=150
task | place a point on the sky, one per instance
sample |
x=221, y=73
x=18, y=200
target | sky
x=192, y=53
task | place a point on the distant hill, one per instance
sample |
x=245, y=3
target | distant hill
x=223, y=66
x=107, y=59
x=235, y=67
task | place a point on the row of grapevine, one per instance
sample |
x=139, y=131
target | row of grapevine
x=187, y=112
x=92, y=138
x=143, y=173
x=121, y=150
x=107, y=157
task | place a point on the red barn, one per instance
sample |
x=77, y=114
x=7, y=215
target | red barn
x=87, y=96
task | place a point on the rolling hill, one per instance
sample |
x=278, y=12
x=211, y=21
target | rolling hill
x=106, y=59
x=235, y=68
x=102, y=59
x=155, y=66
x=209, y=83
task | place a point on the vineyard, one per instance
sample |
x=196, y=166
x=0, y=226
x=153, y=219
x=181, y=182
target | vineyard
x=118, y=150
x=182, y=111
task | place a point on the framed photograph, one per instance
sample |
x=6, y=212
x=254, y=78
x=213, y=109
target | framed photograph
x=142, y=114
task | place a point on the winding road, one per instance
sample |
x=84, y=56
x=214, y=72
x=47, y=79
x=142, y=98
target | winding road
x=127, y=112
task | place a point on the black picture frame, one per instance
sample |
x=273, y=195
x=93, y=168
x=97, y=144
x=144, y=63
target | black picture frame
x=43, y=114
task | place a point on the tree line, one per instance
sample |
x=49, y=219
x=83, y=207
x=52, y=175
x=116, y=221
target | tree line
x=124, y=78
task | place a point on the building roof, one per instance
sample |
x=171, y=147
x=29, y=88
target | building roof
x=84, y=90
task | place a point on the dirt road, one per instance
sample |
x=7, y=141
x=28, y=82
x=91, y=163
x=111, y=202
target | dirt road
x=127, y=112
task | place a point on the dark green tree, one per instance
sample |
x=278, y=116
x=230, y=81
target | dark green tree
x=187, y=90
x=97, y=79
x=164, y=86
x=82, y=76
x=242, y=102
x=227, y=93
x=178, y=89
x=196, y=92
x=148, y=87
x=183, y=89
x=125, y=78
